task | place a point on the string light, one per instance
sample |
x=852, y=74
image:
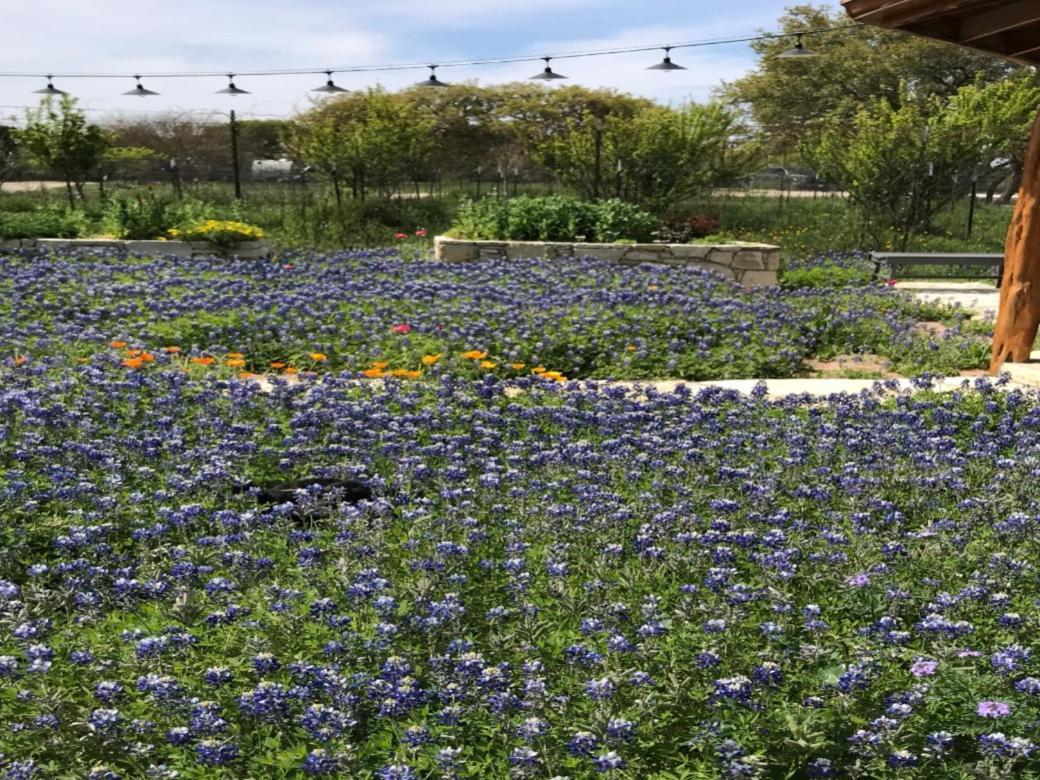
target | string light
x=231, y=89
x=139, y=90
x=328, y=86
x=798, y=51
x=50, y=89
x=547, y=74
x=432, y=81
x=666, y=64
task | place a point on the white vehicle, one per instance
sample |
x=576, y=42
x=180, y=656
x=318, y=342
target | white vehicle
x=272, y=170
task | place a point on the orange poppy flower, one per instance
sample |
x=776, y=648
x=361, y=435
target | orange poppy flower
x=277, y=364
x=133, y=352
x=235, y=355
x=147, y=357
x=117, y=344
x=474, y=354
x=538, y=370
x=290, y=371
x=379, y=364
x=517, y=366
x=172, y=350
x=373, y=373
x=404, y=373
x=235, y=363
x=132, y=362
x=21, y=360
x=203, y=361
x=487, y=364
x=429, y=360
x=246, y=375
x=555, y=375
x=317, y=357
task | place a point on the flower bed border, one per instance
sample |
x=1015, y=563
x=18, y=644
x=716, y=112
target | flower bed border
x=247, y=250
x=751, y=265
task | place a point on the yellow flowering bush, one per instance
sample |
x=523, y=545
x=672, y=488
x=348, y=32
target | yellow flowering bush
x=224, y=234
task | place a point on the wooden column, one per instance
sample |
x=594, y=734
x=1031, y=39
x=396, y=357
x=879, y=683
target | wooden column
x=1019, y=312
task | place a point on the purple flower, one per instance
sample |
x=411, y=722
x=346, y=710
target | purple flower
x=858, y=580
x=994, y=709
x=923, y=668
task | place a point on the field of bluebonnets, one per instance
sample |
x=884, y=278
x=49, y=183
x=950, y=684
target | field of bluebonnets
x=584, y=319
x=565, y=580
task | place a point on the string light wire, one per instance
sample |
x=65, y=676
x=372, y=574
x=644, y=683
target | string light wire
x=448, y=64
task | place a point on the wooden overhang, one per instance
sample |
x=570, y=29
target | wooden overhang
x=1006, y=28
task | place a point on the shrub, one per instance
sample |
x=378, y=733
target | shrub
x=835, y=269
x=145, y=217
x=681, y=229
x=552, y=218
x=42, y=223
x=224, y=234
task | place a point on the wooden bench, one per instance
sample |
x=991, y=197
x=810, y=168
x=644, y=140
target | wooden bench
x=896, y=260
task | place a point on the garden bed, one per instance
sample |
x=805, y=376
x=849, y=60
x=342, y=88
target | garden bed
x=249, y=249
x=751, y=265
x=374, y=310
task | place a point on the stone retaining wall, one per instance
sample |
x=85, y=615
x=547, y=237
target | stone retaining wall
x=751, y=265
x=248, y=250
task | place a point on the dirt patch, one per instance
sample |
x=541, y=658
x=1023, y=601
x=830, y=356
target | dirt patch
x=934, y=329
x=867, y=366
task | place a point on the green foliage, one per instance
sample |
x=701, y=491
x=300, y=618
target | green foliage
x=655, y=158
x=9, y=148
x=900, y=165
x=143, y=217
x=553, y=218
x=59, y=138
x=46, y=222
x=795, y=99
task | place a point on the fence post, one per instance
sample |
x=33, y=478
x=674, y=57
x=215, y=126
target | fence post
x=234, y=157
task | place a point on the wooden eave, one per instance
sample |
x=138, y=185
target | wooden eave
x=1005, y=28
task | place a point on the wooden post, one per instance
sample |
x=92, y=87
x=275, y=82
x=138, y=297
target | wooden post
x=1019, y=312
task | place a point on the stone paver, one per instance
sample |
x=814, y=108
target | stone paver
x=980, y=297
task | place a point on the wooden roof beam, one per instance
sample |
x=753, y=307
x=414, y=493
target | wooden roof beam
x=998, y=20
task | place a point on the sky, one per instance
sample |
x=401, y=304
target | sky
x=164, y=36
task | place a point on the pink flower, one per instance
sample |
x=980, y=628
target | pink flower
x=400, y=235
x=994, y=709
x=892, y=282
x=288, y=266
x=422, y=232
x=402, y=328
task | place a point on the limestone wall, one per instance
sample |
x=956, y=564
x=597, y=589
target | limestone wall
x=250, y=249
x=751, y=265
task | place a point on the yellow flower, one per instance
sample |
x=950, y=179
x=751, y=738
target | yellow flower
x=318, y=357
x=517, y=366
x=474, y=354
x=379, y=364
x=555, y=375
x=429, y=360
x=487, y=364
x=235, y=355
x=538, y=370
x=373, y=373
x=235, y=362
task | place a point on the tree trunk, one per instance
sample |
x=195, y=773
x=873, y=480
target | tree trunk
x=1014, y=182
x=1019, y=312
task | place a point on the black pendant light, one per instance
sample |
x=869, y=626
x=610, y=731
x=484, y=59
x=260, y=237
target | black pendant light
x=328, y=87
x=50, y=89
x=432, y=81
x=547, y=74
x=799, y=51
x=231, y=89
x=666, y=64
x=140, y=91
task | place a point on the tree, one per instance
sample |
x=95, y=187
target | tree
x=60, y=139
x=8, y=151
x=1002, y=114
x=656, y=157
x=371, y=139
x=900, y=164
x=794, y=99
